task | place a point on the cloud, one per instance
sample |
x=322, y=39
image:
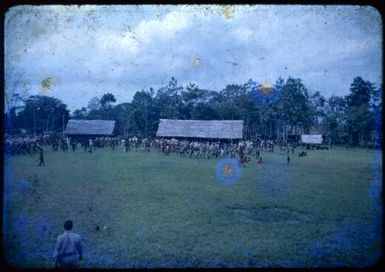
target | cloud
x=165, y=29
x=123, y=43
x=145, y=33
x=243, y=33
x=94, y=49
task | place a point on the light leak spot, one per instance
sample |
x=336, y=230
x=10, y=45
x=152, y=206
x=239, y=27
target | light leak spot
x=228, y=12
x=227, y=171
x=47, y=84
x=196, y=62
x=264, y=93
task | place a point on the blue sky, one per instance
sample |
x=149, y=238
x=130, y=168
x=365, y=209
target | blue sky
x=84, y=52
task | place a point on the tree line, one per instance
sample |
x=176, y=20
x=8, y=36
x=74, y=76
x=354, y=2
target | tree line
x=285, y=111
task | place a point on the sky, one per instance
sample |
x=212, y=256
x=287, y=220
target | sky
x=76, y=53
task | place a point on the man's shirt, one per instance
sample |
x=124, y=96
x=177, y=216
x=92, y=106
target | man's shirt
x=67, y=243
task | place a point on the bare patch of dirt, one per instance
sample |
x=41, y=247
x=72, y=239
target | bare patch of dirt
x=274, y=215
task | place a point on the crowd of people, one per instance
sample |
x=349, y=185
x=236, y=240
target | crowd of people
x=27, y=144
x=243, y=150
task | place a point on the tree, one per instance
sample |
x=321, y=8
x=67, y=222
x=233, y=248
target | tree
x=80, y=114
x=94, y=104
x=121, y=114
x=43, y=113
x=318, y=102
x=334, y=122
x=16, y=91
x=169, y=101
x=294, y=107
x=376, y=109
x=94, y=109
x=265, y=116
x=144, y=115
x=106, y=102
x=198, y=104
x=318, y=107
x=229, y=101
x=359, y=117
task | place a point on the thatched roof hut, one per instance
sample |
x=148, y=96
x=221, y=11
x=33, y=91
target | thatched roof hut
x=213, y=129
x=90, y=127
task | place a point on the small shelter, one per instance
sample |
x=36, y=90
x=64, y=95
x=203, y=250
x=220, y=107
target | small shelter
x=89, y=129
x=199, y=129
x=311, y=139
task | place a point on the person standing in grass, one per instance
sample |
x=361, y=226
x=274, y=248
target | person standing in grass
x=41, y=157
x=90, y=145
x=68, y=250
x=259, y=160
x=74, y=143
x=257, y=153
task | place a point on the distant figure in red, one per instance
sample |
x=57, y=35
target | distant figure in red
x=259, y=160
x=243, y=159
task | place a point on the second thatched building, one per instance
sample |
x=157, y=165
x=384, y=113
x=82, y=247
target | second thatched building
x=199, y=129
x=89, y=129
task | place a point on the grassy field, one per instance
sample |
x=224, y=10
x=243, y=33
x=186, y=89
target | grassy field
x=322, y=210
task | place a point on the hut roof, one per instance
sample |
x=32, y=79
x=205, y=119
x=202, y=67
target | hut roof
x=213, y=129
x=90, y=127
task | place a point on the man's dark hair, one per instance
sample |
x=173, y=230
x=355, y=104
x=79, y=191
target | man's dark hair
x=68, y=225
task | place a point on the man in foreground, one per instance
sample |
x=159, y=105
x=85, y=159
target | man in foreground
x=68, y=250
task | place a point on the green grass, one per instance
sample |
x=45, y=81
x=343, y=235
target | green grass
x=172, y=212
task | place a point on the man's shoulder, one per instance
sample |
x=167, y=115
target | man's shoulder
x=75, y=235
x=61, y=236
x=69, y=234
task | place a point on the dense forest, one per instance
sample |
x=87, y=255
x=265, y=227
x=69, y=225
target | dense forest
x=279, y=112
